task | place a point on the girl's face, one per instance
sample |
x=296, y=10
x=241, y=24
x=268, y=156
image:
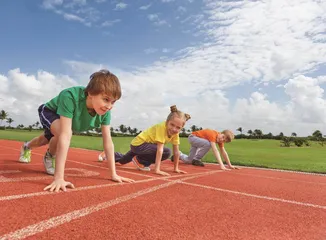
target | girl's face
x=101, y=103
x=174, y=126
x=220, y=138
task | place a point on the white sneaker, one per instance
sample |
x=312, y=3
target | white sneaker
x=140, y=166
x=49, y=163
x=101, y=157
x=25, y=154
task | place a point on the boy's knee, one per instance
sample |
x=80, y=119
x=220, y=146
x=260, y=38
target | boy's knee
x=207, y=145
x=43, y=140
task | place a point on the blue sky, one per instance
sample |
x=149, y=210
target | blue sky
x=229, y=64
x=111, y=35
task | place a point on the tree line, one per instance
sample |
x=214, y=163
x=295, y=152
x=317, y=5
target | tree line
x=123, y=130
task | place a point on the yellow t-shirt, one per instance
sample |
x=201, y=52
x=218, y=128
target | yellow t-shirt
x=155, y=134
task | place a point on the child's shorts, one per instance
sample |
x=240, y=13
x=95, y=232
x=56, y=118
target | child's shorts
x=47, y=117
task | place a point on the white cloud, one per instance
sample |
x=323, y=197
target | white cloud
x=120, y=6
x=4, y=83
x=165, y=50
x=145, y=7
x=72, y=17
x=155, y=19
x=150, y=50
x=307, y=99
x=76, y=10
x=49, y=4
x=27, y=92
x=110, y=23
x=182, y=9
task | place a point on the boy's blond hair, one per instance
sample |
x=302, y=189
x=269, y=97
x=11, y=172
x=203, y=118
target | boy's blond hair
x=229, y=136
x=104, y=82
x=176, y=113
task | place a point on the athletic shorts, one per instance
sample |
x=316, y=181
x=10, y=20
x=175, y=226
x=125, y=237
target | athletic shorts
x=47, y=117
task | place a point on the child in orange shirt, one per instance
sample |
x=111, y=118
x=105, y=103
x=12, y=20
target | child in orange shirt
x=202, y=141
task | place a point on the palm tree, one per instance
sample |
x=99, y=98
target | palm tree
x=240, y=130
x=293, y=134
x=193, y=128
x=122, y=128
x=3, y=115
x=9, y=120
x=249, y=132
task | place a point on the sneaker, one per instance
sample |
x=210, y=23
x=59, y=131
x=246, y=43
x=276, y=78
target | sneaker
x=197, y=163
x=172, y=158
x=49, y=163
x=101, y=157
x=140, y=166
x=25, y=154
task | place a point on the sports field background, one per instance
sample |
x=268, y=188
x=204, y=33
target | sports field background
x=258, y=153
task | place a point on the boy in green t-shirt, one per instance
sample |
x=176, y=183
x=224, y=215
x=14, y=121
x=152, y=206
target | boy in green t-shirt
x=76, y=109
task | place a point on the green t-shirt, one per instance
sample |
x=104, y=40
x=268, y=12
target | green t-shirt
x=71, y=103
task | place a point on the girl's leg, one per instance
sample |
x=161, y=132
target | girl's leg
x=124, y=158
x=145, y=153
x=166, y=153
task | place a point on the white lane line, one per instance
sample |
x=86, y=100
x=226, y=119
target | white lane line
x=256, y=196
x=86, y=164
x=36, y=194
x=82, y=173
x=276, y=178
x=66, y=218
x=275, y=170
x=9, y=171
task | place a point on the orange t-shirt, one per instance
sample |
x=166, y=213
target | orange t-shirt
x=208, y=134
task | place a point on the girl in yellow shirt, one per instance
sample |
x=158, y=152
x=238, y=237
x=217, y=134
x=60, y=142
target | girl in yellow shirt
x=148, y=146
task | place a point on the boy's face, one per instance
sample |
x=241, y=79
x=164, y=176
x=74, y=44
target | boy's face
x=101, y=103
x=220, y=138
x=174, y=126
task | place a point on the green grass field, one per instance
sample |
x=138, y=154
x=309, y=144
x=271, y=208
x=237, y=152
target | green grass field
x=258, y=153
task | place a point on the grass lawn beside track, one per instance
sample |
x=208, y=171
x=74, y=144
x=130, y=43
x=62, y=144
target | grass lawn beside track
x=256, y=153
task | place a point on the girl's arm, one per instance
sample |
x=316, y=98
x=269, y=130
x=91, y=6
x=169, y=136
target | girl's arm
x=176, y=156
x=109, y=152
x=158, y=159
x=62, y=130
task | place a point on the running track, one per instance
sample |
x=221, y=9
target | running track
x=205, y=203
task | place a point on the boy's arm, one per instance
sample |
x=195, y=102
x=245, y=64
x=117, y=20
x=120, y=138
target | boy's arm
x=176, y=157
x=109, y=152
x=217, y=156
x=158, y=159
x=63, y=131
x=226, y=158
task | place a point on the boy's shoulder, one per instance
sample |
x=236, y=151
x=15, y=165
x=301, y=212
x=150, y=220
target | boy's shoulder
x=76, y=93
x=74, y=90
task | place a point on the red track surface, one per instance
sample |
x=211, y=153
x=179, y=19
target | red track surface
x=205, y=203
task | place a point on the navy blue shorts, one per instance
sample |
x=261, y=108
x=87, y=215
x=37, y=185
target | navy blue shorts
x=47, y=117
